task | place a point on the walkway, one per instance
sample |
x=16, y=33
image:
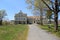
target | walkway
x=36, y=33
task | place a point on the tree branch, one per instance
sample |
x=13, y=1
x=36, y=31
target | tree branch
x=46, y=4
x=58, y=10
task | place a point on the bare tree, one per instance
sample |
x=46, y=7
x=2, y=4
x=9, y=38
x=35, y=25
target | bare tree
x=55, y=9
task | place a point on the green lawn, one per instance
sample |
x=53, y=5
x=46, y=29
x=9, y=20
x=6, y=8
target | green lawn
x=45, y=27
x=13, y=32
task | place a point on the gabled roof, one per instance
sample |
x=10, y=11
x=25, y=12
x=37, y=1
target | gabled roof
x=20, y=13
x=33, y=17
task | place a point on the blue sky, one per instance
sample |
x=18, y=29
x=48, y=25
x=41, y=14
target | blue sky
x=14, y=6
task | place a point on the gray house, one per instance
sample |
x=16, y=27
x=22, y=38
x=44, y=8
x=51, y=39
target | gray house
x=20, y=18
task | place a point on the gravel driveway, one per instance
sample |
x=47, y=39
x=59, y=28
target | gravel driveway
x=36, y=33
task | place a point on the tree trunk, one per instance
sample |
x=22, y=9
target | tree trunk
x=0, y=22
x=56, y=15
x=41, y=20
x=41, y=16
x=56, y=21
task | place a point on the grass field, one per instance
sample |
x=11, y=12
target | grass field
x=13, y=32
x=45, y=27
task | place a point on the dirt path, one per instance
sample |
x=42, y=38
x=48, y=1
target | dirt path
x=36, y=33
